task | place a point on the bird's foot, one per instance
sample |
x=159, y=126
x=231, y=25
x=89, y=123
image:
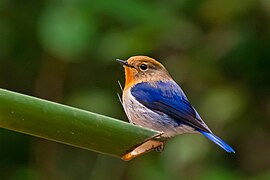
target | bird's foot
x=161, y=147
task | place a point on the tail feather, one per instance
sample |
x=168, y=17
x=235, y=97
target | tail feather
x=218, y=141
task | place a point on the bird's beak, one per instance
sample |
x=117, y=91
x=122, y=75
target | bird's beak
x=124, y=63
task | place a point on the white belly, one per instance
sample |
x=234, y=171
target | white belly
x=140, y=115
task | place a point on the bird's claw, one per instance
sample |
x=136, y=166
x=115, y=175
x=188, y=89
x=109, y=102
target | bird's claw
x=161, y=147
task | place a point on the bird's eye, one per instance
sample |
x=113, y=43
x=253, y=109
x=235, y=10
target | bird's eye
x=143, y=67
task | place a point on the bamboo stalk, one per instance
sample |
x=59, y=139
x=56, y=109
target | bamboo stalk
x=68, y=125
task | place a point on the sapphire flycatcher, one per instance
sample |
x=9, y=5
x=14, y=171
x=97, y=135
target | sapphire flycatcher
x=152, y=99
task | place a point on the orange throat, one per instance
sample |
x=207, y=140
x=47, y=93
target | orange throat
x=129, y=77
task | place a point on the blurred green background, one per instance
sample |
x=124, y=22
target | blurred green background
x=65, y=51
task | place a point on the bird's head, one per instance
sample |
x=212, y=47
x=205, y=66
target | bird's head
x=143, y=69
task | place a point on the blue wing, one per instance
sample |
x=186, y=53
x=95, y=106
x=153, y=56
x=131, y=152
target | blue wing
x=168, y=97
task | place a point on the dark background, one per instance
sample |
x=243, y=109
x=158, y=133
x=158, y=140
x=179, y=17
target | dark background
x=65, y=51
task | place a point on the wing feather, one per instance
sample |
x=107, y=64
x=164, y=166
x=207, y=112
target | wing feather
x=168, y=97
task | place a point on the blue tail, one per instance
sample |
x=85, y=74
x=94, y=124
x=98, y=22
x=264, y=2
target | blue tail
x=218, y=141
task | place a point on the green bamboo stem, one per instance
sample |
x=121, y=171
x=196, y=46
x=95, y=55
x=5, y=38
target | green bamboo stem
x=68, y=125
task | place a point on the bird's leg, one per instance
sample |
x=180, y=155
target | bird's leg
x=163, y=141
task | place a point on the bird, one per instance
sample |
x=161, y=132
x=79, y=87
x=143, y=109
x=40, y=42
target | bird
x=152, y=99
